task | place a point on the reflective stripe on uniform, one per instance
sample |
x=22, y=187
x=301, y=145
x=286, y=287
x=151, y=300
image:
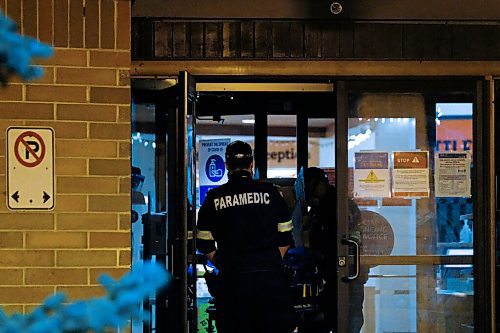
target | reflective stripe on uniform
x=204, y=235
x=285, y=226
x=190, y=235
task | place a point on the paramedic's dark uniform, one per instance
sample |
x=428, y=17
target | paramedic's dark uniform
x=249, y=221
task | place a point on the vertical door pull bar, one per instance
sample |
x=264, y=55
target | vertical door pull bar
x=355, y=245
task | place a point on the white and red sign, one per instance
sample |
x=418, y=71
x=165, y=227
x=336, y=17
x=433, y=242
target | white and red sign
x=30, y=168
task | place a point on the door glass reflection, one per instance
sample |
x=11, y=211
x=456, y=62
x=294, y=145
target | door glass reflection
x=410, y=175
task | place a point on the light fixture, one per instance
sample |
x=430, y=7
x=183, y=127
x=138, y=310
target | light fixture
x=248, y=121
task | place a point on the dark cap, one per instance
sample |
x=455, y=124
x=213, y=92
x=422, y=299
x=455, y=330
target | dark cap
x=238, y=154
x=315, y=174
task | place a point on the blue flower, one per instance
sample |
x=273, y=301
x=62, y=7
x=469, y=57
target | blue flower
x=17, y=51
x=114, y=310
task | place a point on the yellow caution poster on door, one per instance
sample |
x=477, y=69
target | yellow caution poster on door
x=410, y=174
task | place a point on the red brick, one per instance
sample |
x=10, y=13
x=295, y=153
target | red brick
x=116, y=273
x=64, y=129
x=88, y=258
x=71, y=166
x=57, y=239
x=26, y=111
x=86, y=148
x=110, y=59
x=92, y=24
x=88, y=76
x=110, y=240
x=61, y=23
x=124, y=114
x=125, y=221
x=14, y=11
x=56, y=276
x=125, y=185
x=110, y=131
x=110, y=95
x=123, y=25
x=11, y=309
x=45, y=21
x=71, y=203
x=14, y=295
x=30, y=15
x=124, y=151
x=11, y=277
x=84, y=112
x=124, y=78
x=76, y=23
x=81, y=292
x=109, y=167
x=11, y=240
x=109, y=203
x=12, y=92
x=56, y=93
x=65, y=57
x=26, y=221
x=87, y=185
x=4, y=124
x=31, y=258
x=46, y=78
x=125, y=258
x=107, y=24
x=87, y=221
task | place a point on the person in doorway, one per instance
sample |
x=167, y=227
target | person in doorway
x=320, y=223
x=244, y=228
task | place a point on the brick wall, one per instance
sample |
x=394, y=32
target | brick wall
x=85, y=97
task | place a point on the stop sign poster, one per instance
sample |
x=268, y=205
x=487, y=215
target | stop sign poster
x=30, y=168
x=410, y=175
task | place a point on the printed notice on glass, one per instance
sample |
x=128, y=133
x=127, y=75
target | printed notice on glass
x=212, y=169
x=410, y=175
x=452, y=174
x=371, y=175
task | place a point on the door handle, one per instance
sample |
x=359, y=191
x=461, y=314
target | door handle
x=355, y=245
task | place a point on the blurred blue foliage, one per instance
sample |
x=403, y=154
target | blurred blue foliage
x=104, y=314
x=16, y=52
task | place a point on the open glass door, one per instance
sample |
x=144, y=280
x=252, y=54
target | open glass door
x=410, y=213
x=181, y=309
x=163, y=155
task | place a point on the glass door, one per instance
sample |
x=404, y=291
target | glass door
x=164, y=159
x=181, y=307
x=408, y=210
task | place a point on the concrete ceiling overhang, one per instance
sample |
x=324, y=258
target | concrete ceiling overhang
x=462, y=10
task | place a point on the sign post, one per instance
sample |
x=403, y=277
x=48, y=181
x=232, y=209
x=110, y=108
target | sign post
x=30, y=168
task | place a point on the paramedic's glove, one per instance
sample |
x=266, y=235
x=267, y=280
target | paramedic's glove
x=299, y=186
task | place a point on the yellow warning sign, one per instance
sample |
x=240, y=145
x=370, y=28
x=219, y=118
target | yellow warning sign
x=372, y=178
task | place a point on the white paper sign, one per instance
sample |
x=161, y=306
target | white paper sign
x=371, y=175
x=410, y=176
x=30, y=168
x=452, y=174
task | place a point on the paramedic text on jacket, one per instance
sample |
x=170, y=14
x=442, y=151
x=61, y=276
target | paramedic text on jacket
x=244, y=228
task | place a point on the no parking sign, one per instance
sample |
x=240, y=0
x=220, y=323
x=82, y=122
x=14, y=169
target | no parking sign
x=30, y=168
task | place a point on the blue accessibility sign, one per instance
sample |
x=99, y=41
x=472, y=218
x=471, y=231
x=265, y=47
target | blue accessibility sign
x=215, y=168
